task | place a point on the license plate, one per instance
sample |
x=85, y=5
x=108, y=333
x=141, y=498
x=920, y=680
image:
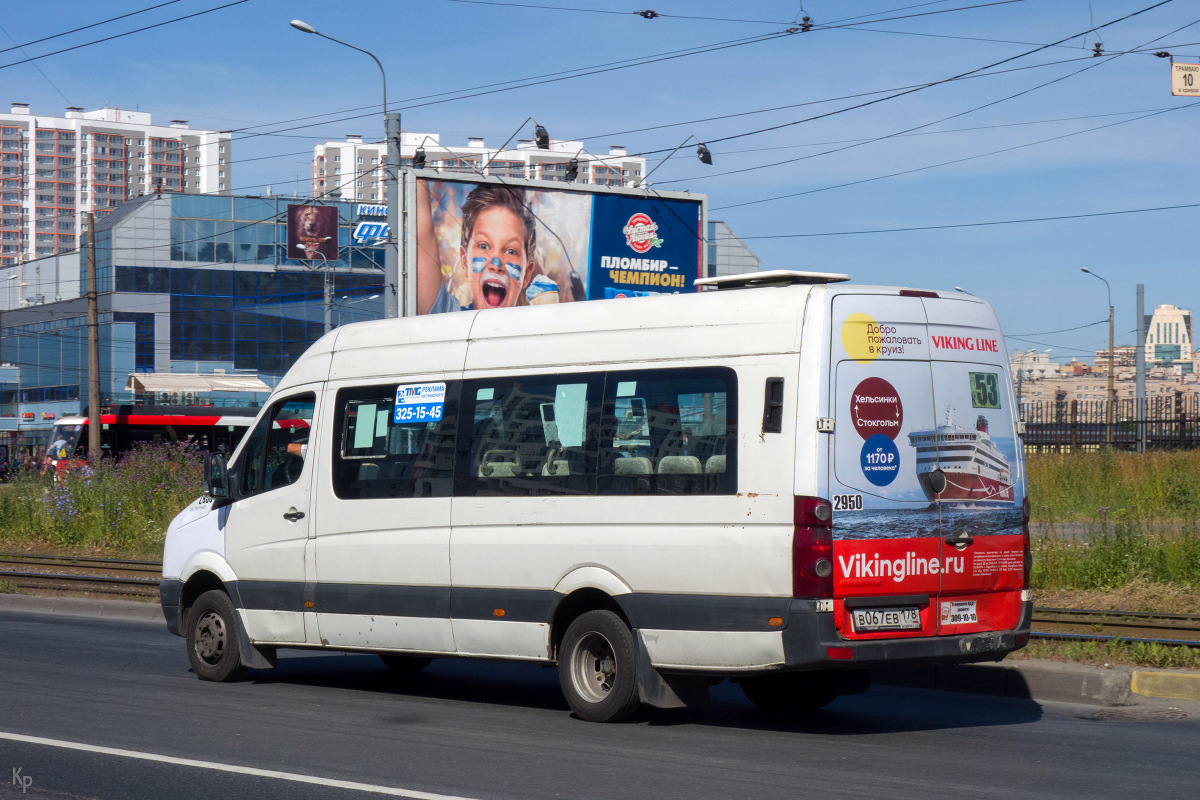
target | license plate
x=886, y=619
x=959, y=612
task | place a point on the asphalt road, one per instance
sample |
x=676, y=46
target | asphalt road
x=476, y=729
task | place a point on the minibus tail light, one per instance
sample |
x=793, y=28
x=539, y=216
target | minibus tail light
x=812, y=548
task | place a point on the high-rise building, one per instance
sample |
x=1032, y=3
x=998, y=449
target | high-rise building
x=1168, y=334
x=54, y=169
x=352, y=169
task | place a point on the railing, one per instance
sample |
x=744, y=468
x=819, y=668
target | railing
x=1164, y=423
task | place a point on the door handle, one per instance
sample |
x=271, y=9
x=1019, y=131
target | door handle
x=292, y=515
x=960, y=541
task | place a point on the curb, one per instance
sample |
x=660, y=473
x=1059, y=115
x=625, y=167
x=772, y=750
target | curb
x=1036, y=679
x=1026, y=680
x=1176, y=685
x=83, y=607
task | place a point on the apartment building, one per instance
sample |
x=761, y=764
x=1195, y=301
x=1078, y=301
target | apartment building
x=353, y=169
x=53, y=169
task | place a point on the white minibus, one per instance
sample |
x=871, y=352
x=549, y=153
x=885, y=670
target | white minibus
x=782, y=480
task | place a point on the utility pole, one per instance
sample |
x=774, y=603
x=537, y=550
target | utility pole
x=1139, y=363
x=1112, y=397
x=93, y=326
x=1109, y=417
x=395, y=280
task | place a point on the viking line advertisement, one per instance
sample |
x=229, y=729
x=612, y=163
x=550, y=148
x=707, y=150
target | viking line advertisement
x=924, y=450
x=502, y=244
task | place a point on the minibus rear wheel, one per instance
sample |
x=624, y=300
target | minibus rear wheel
x=790, y=692
x=597, y=668
x=212, y=638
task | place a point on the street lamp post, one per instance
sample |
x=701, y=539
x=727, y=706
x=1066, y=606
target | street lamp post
x=1111, y=366
x=346, y=301
x=395, y=289
x=328, y=282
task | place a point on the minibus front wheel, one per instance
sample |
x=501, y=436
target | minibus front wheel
x=212, y=638
x=597, y=668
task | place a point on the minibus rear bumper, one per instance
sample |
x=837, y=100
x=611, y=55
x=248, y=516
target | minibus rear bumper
x=810, y=641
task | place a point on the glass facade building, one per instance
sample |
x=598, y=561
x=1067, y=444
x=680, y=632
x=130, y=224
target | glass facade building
x=187, y=283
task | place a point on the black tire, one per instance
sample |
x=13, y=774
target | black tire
x=597, y=668
x=790, y=693
x=212, y=638
x=404, y=665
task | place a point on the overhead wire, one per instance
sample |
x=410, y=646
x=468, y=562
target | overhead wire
x=951, y=162
x=971, y=129
x=86, y=27
x=949, y=226
x=547, y=78
x=651, y=15
x=710, y=141
x=122, y=35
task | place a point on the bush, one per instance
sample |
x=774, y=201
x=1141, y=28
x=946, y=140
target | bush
x=125, y=504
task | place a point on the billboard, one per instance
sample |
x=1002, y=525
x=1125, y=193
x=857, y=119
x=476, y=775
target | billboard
x=498, y=244
x=315, y=227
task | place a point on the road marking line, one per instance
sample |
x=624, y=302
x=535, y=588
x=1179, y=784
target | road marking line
x=213, y=765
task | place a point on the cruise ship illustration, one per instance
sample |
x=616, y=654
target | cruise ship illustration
x=975, y=469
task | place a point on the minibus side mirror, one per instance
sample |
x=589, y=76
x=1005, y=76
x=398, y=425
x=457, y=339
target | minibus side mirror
x=216, y=477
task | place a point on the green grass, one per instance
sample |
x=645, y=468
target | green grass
x=1107, y=556
x=125, y=505
x=1113, y=486
x=7, y=588
x=1138, y=654
x=1129, y=517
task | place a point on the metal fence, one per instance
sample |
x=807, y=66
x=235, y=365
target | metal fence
x=1164, y=423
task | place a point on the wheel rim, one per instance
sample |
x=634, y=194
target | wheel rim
x=593, y=667
x=210, y=637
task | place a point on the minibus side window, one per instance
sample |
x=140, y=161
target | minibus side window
x=529, y=436
x=276, y=450
x=377, y=456
x=669, y=432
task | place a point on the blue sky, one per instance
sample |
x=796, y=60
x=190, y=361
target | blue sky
x=243, y=67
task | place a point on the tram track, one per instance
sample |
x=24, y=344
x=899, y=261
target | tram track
x=65, y=574
x=1098, y=625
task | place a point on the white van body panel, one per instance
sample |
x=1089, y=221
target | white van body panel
x=652, y=330
x=208, y=561
x=592, y=578
x=379, y=632
x=366, y=542
x=713, y=651
x=391, y=347
x=194, y=534
x=265, y=626
x=526, y=641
